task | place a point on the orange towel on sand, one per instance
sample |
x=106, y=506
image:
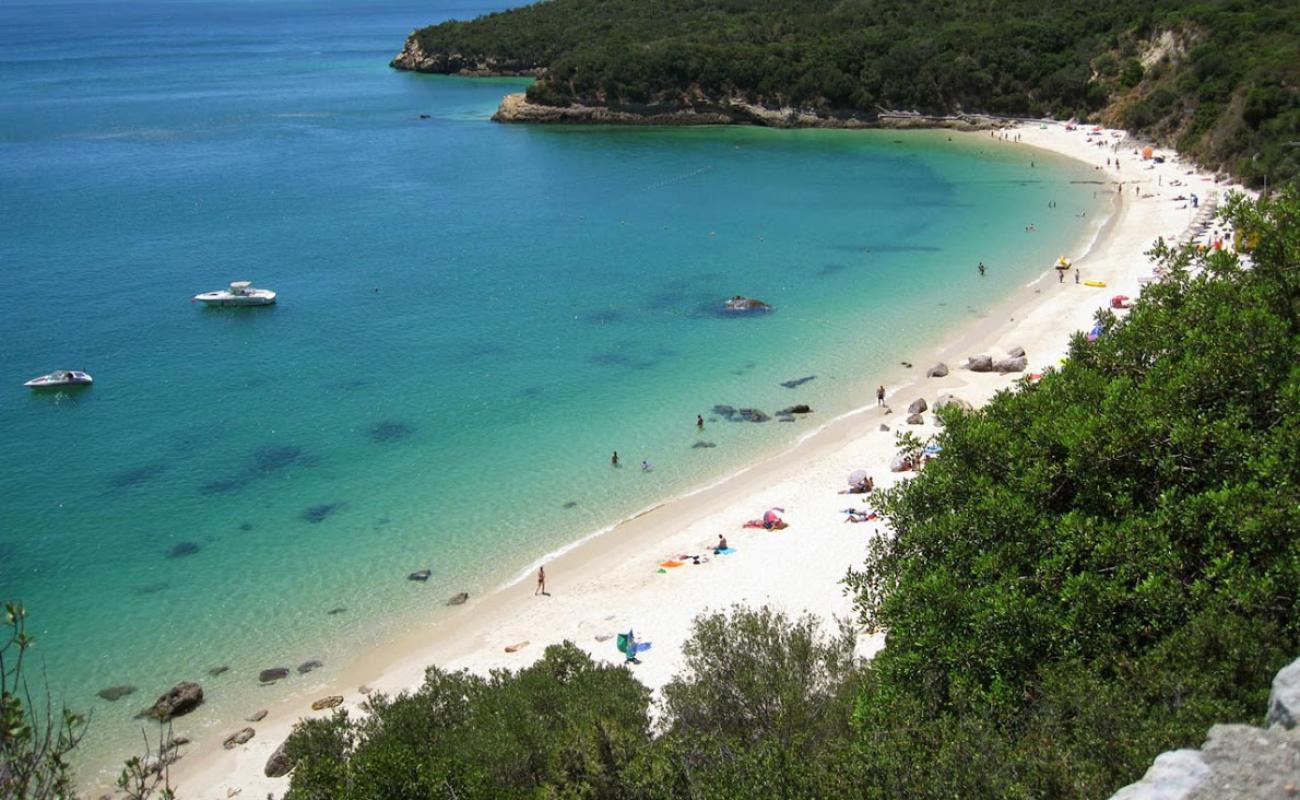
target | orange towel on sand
x=670, y=563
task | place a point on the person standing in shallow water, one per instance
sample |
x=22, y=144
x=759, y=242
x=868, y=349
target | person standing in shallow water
x=981, y=269
x=880, y=395
x=613, y=460
x=699, y=422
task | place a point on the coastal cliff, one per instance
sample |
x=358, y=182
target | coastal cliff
x=415, y=58
x=517, y=108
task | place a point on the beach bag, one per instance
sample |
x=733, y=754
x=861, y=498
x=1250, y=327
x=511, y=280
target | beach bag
x=622, y=643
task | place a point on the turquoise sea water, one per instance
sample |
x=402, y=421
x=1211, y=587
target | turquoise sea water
x=472, y=317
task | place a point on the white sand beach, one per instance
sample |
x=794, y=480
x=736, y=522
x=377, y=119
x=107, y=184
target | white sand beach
x=611, y=583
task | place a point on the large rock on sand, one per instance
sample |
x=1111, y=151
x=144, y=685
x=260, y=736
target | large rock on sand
x=237, y=738
x=946, y=400
x=279, y=764
x=918, y=405
x=939, y=370
x=1006, y=365
x=1284, y=699
x=980, y=363
x=179, y=700
x=915, y=419
x=1016, y=352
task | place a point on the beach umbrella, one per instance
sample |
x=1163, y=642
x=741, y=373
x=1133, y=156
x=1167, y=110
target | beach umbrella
x=857, y=476
x=1119, y=301
x=1147, y=152
x=772, y=516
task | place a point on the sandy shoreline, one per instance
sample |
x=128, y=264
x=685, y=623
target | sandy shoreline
x=609, y=582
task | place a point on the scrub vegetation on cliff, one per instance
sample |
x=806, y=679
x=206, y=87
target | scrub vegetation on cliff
x=1095, y=569
x=1220, y=79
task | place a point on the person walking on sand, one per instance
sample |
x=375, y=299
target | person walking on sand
x=699, y=422
x=880, y=395
x=1076, y=276
x=541, y=583
x=1060, y=276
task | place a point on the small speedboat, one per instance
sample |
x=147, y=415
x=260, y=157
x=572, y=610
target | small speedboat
x=61, y=377
x=240, y=293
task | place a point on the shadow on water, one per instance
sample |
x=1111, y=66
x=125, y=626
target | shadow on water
x=322, y=512
x=390, y=430
x=137, y=476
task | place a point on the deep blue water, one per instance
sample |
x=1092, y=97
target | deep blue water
x=472, y=317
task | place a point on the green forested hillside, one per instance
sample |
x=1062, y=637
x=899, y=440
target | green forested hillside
x=1220, y=78
x=1095, y=569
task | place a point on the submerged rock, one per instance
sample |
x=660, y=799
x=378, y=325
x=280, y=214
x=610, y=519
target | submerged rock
x=257, y=716
x=702, y=445
x=791, y=384
x=570, y=504
x=181, y=699
x=752, y=415
x=458, y=600
x=319, y=513
x=421, y=575
x=336, y=610
x=390, y=431
x=724, y=411
x=799, y=408
x=308, y=666
x=114, y=693
x=184, y=549
x=273, y=674
x=221, y=670
x=275, y=458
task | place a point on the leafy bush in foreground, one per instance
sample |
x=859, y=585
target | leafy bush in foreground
x=1100, y=567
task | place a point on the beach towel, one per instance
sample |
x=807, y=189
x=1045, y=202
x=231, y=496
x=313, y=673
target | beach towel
x=726, y=551
x=670, y=563
x=753, y=523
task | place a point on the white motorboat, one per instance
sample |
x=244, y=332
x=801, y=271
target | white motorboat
x=240, y=293
x=61, y=377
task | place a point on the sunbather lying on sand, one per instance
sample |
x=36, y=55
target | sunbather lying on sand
x=863, y=515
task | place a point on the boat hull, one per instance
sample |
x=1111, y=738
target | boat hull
x=235, y=300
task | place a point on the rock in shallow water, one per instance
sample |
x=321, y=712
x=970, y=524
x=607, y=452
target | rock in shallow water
x=421, y=575
x=273, y=674
x=181, y=699
x=308, y=666
x=115, y=693
x=257, y=716
x=459, y=600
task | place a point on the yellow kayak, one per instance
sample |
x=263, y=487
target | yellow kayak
x=1094, y=283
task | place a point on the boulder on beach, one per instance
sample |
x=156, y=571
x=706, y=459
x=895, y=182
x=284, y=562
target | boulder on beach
x=332, y=701
x=1016, y=352
x=915, y=419
x=1284, y=697
x=257, y=716
x=114, y=693
x=273, y=674
x=939, y=370
x=279, y=764
x=237, y=738
x=946, y=400
x=884, y=427
x=181, y=699
x=458, y=600
x=1006, y=365
x=917, y=406
x=308, y=666
x=980, y=363
x=421, y=575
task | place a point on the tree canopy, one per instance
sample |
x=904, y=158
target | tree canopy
x=1218, y=78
